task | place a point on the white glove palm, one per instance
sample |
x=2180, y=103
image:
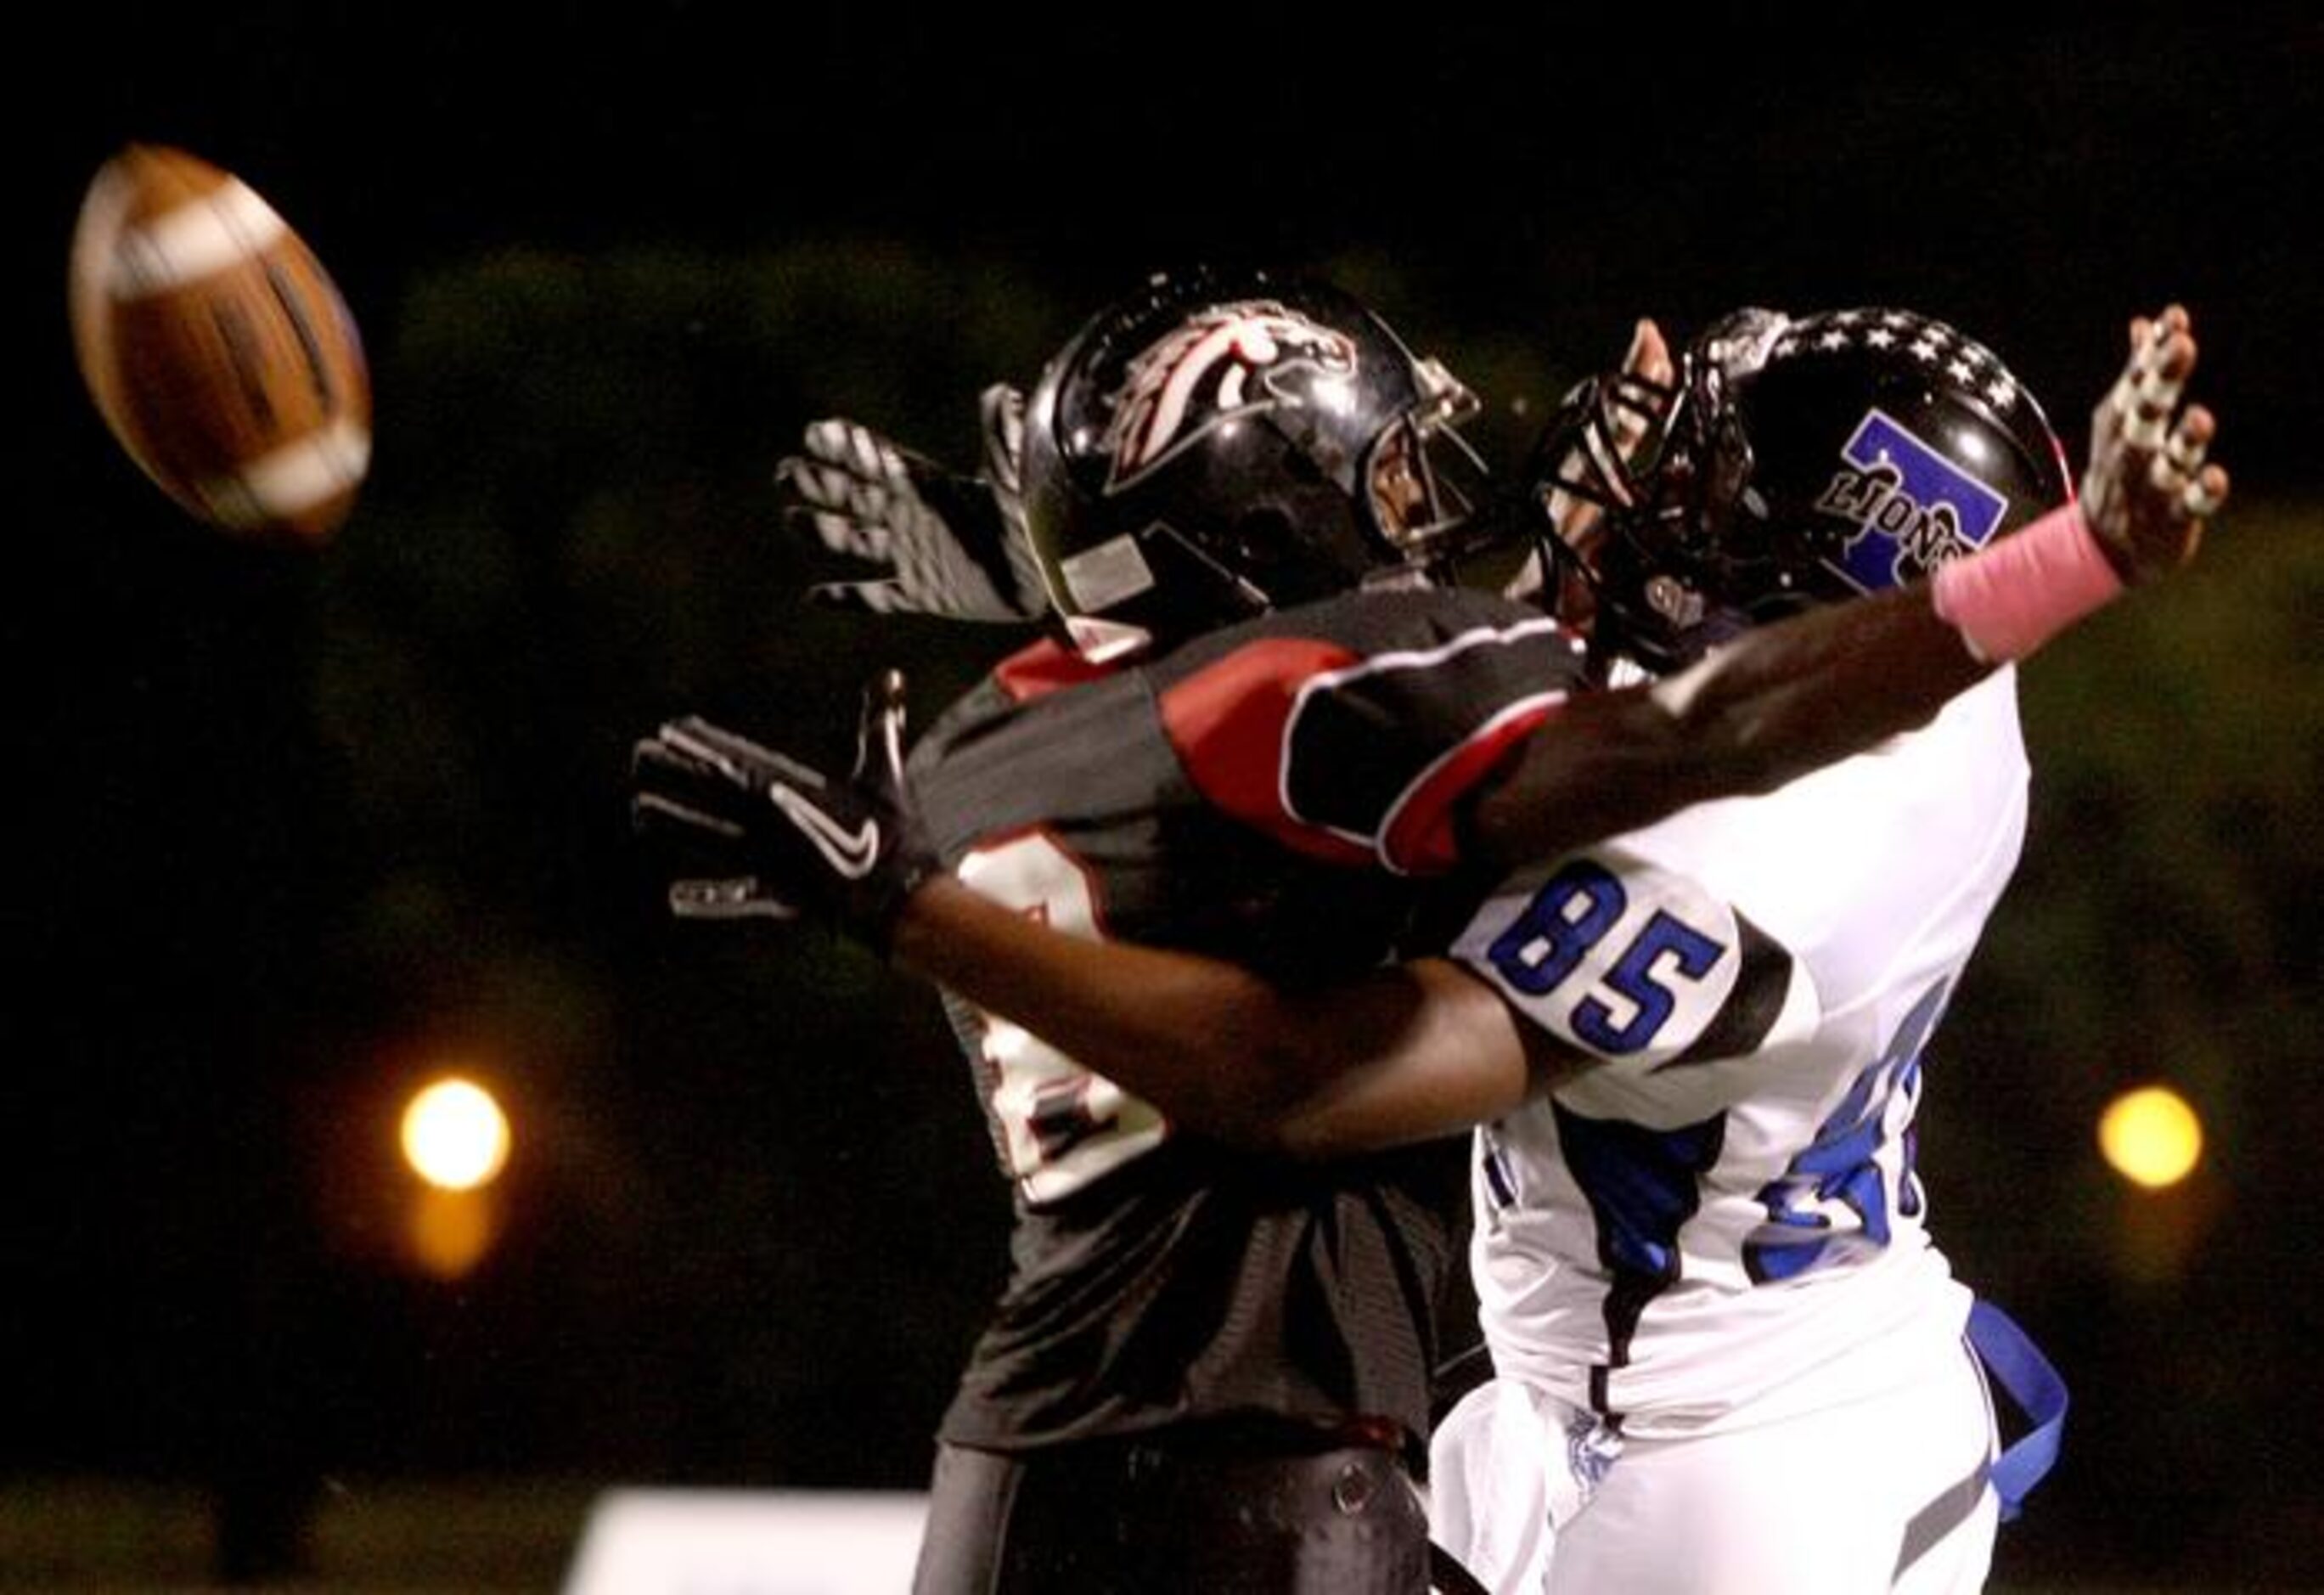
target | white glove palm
x=952, y=546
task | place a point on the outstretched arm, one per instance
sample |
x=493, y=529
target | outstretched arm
x=1425, y=1049
x=747, y=833
x=1403, y=1054
x=1783, y=699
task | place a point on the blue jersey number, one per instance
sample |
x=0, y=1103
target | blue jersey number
x=1840, y=1171
x=1570, y=915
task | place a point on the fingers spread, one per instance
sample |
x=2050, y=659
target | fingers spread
x=708, y=747
x=656, y=760
x=855, y=450
x=651, y=810
x=844, y=534
x=2202, y=496
x=736, y=899
x=829, y=439
x=2190, y=438
x=850, y=514
x=2161, y=355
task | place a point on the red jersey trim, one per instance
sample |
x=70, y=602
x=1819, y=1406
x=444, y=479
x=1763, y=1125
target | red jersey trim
x=1420, y=837
x=1229, y=722
x=1043, y=668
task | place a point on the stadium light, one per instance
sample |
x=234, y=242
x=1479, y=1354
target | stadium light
x=2151, y=1137
x=447, y=1233
x=454, y=1134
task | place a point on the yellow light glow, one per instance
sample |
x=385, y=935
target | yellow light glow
x=2151, y=1137
x=455, y=1136
x=448, y=1232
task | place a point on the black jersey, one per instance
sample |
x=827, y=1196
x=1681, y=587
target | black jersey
x=1277, y=793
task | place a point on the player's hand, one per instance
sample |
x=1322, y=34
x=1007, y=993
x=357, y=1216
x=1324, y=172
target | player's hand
x=747, y=832
x=1650, y=358
x=1574, y=516
x=952, y=546
x=2149, y=491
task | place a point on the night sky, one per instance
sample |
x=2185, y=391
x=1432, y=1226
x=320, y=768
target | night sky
x=2036, y=182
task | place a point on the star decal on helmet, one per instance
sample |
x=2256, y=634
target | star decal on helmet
x=1963, y=359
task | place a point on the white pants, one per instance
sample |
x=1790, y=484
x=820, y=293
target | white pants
x=1880, y=1492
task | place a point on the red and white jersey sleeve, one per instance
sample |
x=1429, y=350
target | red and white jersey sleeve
x=1352, y=730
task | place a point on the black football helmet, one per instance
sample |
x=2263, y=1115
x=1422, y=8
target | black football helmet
x=1213, y=446
x=1793, y=461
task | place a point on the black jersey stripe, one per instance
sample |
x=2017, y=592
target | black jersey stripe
x=1746, y=1018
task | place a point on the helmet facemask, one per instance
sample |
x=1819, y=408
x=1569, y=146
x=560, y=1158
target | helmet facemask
x=1794, y=461
x=1638, y=512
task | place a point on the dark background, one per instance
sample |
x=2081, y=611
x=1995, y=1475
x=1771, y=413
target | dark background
x=292, y=827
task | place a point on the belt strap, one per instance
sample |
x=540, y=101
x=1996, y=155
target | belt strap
x=2013, y=1361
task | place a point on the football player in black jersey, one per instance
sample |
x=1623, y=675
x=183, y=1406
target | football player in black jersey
x=1211, y=1367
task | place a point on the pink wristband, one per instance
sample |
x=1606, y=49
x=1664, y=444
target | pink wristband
x=2014, y=594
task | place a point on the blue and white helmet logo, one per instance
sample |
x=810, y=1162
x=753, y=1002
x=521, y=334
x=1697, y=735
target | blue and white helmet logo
x=1914, y=509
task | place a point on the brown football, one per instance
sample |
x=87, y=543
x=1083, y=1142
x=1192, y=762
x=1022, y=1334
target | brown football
x=217, y=348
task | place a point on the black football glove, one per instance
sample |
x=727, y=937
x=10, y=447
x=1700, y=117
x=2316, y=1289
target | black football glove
x=751, y=832
x=953, y=546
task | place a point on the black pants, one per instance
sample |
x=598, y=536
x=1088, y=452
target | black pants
x=1204, y=1510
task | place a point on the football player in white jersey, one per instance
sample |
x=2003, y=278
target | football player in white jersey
x=1728, y=1355
x=1713, y=1309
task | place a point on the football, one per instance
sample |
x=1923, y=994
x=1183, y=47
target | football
x=217, y=349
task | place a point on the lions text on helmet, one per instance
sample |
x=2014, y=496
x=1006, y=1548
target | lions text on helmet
x=1790, y=461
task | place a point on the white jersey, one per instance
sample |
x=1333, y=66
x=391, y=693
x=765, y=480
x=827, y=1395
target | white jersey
x=1728, y=1201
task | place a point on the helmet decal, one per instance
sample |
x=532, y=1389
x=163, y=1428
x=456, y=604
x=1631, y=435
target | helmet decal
x=1226, y=362
x=1790, y=461
x=1945, y=352
x=1914, y=508
x=1213, y=444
